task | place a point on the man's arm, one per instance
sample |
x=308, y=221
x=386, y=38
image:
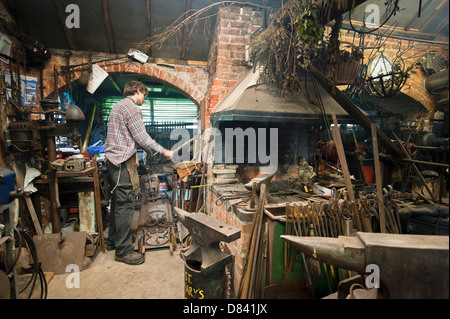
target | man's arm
x=137, y=129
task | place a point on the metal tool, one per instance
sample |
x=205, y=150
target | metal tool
x=205, y=262
x=410, y=266
x=255, y=186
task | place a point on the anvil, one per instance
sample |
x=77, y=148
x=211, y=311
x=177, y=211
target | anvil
x=410, y=266
x=207, y=233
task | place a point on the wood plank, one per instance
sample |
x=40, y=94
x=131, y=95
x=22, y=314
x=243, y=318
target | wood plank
x=343, y=161
x=342, y=158
x=224, y=171
x=378, y=181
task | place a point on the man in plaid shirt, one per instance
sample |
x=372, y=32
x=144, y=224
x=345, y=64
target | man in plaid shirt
x=126, y=131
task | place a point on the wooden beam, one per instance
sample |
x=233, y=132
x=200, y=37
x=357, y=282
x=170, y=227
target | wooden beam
x=348, y=182
x=378, y=181
x=186, y=36
x=68, y=32
x=109, y=28
x=148, y=24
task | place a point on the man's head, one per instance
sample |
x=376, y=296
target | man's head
x=136, y=90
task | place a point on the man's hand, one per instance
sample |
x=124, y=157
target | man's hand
x=167, y=153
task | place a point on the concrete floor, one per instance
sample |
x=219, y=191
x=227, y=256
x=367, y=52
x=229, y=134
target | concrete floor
x=160, y=277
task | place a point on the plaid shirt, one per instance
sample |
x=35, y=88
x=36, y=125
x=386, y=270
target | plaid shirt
x=125, y=129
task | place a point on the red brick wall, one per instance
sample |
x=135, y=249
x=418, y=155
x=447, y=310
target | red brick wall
x=190, y=79
x=414, y=85
x=227, y=63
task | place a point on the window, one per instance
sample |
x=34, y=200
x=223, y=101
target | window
x=158, y=109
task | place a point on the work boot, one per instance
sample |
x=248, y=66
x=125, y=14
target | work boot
x=110, y=246
x=131, y=259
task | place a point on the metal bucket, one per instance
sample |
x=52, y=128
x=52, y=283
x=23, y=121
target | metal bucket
x=202, y=284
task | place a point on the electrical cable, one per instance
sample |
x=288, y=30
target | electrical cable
x=37, y=269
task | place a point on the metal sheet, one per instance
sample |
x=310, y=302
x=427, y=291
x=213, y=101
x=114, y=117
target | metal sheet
x=56, y=253
x=250, y=99
x=86, y=205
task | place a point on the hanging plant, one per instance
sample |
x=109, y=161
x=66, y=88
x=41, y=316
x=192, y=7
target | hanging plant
x=333, y=50
x=310, y=31
x=349, y=66
x=276, y=49
x=341, y=67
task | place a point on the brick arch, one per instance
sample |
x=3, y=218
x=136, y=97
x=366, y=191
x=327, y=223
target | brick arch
x=192, y=81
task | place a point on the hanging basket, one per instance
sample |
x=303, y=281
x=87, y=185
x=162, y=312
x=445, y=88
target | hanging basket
x=347, y=72
x=387, y=85
x=348, y=67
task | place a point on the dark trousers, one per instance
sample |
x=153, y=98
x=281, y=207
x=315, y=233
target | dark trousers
x=122, y=209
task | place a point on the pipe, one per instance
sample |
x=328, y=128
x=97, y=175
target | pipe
x=89, y=130
x=436, y=82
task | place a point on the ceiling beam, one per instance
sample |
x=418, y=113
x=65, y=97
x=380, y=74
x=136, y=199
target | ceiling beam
x=148, y=24
x=441, y=26
x=433, y=16
x=68, y=32
x=109, y=28
x=186, y=37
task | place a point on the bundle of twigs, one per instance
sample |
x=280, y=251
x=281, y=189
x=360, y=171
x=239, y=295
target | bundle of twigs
x=190, y=17
x=276, y=48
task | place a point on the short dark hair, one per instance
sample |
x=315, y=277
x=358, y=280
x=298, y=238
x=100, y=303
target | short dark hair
x=132, y=87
